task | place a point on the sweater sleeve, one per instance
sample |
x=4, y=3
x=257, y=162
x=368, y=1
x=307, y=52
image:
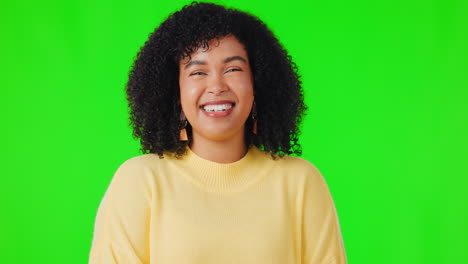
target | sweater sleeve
x=121, y=229
x=322, y=240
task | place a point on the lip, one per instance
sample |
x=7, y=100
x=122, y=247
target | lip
x=218, y=114
x=218, y=103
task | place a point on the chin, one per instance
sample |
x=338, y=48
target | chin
x=217, y=134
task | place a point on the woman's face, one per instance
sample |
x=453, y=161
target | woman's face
x=216, y=90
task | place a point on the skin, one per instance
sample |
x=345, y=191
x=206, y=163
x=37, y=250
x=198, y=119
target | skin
x=209, y=77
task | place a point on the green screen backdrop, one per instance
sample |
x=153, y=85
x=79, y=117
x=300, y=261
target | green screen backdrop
x=386, y=85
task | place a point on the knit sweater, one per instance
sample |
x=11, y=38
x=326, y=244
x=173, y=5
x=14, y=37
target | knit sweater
x=191, y=210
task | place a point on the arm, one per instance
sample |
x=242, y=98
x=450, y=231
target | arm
x=322, y=240
x=121, y=230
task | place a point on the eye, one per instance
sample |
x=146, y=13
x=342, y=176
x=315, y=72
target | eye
x=197, y=73
x=233, y=69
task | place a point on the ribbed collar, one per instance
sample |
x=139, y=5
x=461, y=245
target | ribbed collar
x=227, y=177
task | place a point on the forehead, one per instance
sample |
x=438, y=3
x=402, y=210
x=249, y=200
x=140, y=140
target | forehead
x=218, y=49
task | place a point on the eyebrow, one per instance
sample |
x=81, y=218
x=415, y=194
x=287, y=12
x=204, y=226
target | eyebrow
x=229, y=59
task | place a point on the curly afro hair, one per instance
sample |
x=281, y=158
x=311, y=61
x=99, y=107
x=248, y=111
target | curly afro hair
x=153, y=86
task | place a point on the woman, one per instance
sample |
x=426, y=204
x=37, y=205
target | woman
x=216, y=102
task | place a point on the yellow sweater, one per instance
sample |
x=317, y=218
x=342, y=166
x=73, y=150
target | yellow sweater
x=179, y=211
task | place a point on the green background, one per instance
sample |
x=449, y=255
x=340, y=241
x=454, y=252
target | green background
x=386, y=84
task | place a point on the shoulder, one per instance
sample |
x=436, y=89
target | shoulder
x=139, y=162
x=299, y=165
x=305, y=173
x=292, y=161
x=137, y=170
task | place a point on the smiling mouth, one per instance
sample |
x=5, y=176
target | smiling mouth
x=217, y=107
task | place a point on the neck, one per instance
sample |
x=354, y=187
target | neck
x=219, y=151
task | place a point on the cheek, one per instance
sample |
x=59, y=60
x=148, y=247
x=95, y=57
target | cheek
x=189, y=92
x=244, y=89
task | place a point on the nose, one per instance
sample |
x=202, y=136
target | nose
x=217, y=85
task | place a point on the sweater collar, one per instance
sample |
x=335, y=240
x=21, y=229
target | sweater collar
x=226, y=177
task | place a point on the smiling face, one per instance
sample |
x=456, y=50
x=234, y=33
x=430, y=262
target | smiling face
x=216, y=90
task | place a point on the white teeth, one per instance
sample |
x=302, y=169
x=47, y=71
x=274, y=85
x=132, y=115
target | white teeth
x=217, y=108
